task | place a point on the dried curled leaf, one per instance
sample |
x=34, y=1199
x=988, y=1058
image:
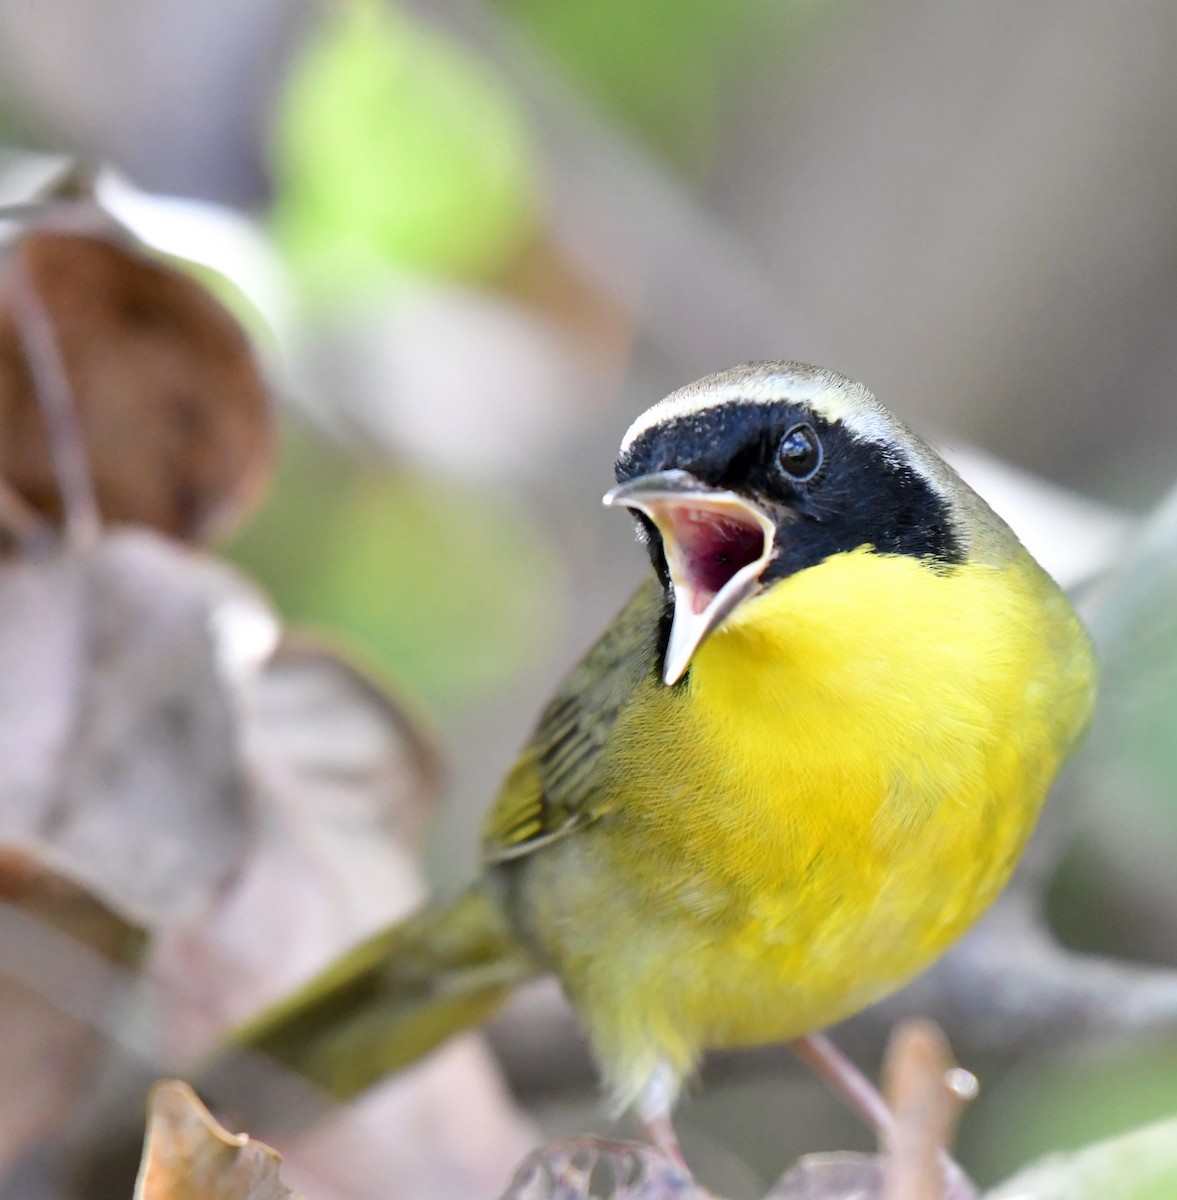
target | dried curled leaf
x=189, y=1156
x=119, y=719
x=170, y=403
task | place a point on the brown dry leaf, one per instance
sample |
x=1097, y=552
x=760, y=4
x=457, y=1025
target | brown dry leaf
x=342, y=782
x=188, y=1156
x=122, y=795
x=57, y=945
x=318, y=715
x=119, y=719
x=171, y=404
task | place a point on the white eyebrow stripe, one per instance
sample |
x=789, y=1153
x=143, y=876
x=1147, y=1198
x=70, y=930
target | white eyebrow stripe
x=828, y=393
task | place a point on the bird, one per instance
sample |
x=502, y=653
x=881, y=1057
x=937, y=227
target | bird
x=801, y=761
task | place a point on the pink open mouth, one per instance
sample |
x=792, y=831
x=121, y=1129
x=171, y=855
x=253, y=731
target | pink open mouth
x=707, y=546
x=717, y=545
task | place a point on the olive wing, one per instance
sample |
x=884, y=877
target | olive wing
x=551, y=790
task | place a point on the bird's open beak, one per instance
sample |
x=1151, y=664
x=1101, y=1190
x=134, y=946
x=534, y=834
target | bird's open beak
x=717, y=545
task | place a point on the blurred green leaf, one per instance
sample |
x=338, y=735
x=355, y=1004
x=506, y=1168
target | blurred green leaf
x=453, y=587
x=665, y=67
x=1126, y=772
x=1134, y=620
x=1067, y=1103
x=395, y=149
x=1141, y=1165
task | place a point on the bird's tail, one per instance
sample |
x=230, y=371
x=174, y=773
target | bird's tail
x=395, y=997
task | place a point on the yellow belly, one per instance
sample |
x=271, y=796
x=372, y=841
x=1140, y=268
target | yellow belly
x=835, y=794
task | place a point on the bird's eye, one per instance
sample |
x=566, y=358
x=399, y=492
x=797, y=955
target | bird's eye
x=800, y=453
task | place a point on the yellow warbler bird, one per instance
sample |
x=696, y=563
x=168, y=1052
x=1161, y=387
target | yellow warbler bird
x=801, y=761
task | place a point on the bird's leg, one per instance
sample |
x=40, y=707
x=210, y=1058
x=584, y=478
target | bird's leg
x=660, y=1131
x=818, y=1053
x=653, y=1106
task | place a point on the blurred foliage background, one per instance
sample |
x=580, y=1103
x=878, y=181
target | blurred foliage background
x=478, y=236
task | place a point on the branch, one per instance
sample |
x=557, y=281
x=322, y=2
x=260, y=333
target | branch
x=51, y=385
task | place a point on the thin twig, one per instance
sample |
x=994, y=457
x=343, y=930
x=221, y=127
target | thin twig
x=51, y=386
x=925, y=1094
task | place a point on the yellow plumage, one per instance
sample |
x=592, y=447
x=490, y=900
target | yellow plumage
x=860, y=783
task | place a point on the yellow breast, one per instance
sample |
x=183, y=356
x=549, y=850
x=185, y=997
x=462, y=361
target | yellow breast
x=838, y=790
